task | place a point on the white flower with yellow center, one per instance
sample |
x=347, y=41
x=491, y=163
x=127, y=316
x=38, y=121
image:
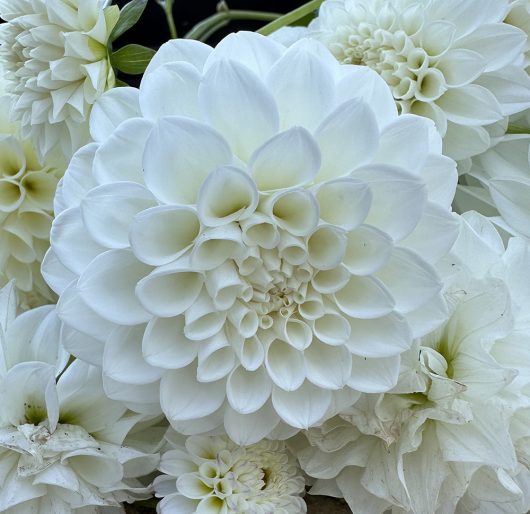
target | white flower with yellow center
x=63, y=444
x=258, y=225
x=212, y=475
x=453, y=61
x=27, y=188
x=445, y=431
x=56, y=65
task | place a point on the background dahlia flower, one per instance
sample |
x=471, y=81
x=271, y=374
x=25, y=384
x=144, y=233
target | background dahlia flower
x=456, y=420
x=56, y=63
x=212, y=475
x=64, y=446
x=456, y=62
x=255, y=228
x=27, y=188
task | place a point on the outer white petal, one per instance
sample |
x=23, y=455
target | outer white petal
x=380, y=337
x=247, y=391
x=237, y=104
x=186, y=50
x=298, y=79
x=374, y=375
x=499, y=43
x=72, y=246
x=301, y=408
x=289, y=159
x=119, y=157
x=111, y=109
x=107, y=286
x=123, y=360
x=165, y=345
x=393, y=190
x=248, y=429
x=108, y=210
x=356, y=119
x=410, y=280
x=363, y=82
x=183, y=398
x=178, y=156
x=511, y=198
x=247, y=48
x=162, y=83
x=470, y=105
x=394, y=145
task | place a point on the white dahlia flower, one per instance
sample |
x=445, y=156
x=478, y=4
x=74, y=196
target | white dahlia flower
x=255, y=227
x=64, y=446
x=27, y=188
x=454, y=61
x=212, y=475
x=56, y=65
x=443, y=440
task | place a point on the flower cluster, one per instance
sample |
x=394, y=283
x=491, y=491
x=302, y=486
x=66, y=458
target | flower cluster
x=264, y=265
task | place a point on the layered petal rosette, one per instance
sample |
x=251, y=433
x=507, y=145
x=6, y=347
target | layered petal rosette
x=456, y=62
x=256, y=227
x=449, y=437
x=64, y=446
x=27, y=188
x=56, y=64
x=213, y=475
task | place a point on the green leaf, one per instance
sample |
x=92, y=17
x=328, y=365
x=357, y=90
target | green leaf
x=129, y=15
x=120, y=83
x=132, y=59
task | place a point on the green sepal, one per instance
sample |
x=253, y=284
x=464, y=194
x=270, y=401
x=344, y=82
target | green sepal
x=132, y=59
x=129, y=15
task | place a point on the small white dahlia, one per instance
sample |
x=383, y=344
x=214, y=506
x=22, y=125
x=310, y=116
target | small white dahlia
x=451, y=437
x=64, y=446
x=212, y=475
x=56, y=64
x=27, y=188
x=255, y=228
x=454, y=61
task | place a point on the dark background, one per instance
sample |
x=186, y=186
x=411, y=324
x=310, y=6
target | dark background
x=152, y=29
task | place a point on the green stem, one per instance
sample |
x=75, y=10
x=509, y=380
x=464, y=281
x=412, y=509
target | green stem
x=514, y=129
x=291, y=17
x=207, y=27
x=168, y=9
